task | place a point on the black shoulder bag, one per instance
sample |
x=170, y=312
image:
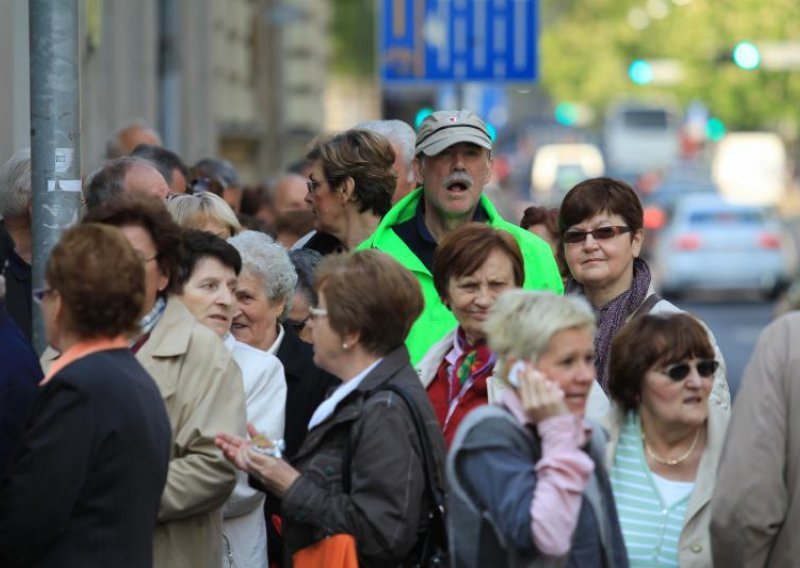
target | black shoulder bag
x=431, y=548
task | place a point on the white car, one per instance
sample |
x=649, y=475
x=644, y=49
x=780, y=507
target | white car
x=713, y=244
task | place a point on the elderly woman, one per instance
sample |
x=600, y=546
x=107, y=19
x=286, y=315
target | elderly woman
x=473, y=265
x=200, y=384
x=264, y=293
x=350, y=187
x=665, y=439
x=601, y=221
x=206, y=283
x=98, y=429
x=206, y=212
x=344, y=479
x=527, y=474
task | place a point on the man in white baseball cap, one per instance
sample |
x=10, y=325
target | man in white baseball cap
x=453, y=160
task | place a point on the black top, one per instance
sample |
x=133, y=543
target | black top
x=306, y=387
x=418, y=238
x=324, y=244
x=85, y=484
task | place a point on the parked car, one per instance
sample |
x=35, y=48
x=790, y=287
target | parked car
x=712, y=244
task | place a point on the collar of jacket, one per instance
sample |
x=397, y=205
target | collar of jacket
x=385, y=238
x=351, y=407
x=170, y=337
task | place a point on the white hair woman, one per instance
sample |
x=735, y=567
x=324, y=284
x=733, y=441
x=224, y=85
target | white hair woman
x=206, y=212
x=526, y=476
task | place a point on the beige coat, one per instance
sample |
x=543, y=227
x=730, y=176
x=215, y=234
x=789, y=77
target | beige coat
x=756, y=512
x=202, y=389
x=694, y=547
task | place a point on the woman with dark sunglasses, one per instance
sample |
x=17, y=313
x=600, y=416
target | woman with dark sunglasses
x=665, y=439
x=601, y=222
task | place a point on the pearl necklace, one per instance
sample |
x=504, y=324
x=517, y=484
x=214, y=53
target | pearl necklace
x=675, y=461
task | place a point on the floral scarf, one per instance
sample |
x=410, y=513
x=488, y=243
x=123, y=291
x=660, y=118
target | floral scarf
x=613, y=315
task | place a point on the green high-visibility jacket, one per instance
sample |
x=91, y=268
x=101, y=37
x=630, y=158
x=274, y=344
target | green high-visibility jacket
x=541, y=271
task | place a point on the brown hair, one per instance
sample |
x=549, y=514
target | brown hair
x=597, y=195
x=465, y=249
x=370, y=293
x=649, y=340
x=540, y=215
x=364, y=156
x=150, y=214
x=100, y=279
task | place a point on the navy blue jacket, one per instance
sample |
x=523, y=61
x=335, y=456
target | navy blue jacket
x=19, y=374
x=84, y=487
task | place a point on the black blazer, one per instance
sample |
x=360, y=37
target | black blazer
x=85, y=483
x=306, y=387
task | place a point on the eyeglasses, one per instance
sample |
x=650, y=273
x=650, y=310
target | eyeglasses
x=678, y=372
x=39, y=294
x=313, y=184
x=317, y=313
x=598, y=234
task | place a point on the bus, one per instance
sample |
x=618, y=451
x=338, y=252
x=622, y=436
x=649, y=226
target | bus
x=639, y=137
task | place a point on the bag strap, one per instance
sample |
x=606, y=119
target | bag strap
x=648, y=304
x=429, y=464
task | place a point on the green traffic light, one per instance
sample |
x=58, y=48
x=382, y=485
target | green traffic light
x=641, y=72
x=746, y=55
x=566, y=114
x=715, y=129
x=422, y=114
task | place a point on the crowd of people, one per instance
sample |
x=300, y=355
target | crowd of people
x=361, y=362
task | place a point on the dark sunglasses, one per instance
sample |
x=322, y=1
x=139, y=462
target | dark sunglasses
x=705, y=368
x=598, y=234
x=298, y=326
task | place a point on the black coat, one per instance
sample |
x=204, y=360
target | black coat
x=85, y=484
x=306, y=387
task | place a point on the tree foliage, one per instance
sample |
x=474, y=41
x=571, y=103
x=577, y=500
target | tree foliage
x=587, y=46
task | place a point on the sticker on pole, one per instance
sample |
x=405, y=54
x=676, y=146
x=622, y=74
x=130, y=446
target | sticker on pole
x=64, y=185
x=63, y=159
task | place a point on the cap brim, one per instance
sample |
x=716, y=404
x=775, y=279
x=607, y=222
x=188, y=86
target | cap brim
x=435, y=144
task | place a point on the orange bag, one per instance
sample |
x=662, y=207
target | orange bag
x=337, y=551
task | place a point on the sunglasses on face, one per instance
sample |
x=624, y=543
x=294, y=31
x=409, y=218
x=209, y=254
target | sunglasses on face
x=705, y=368
x=598, y=234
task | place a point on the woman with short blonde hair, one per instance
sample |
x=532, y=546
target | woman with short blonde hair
x=205, y=212
x=527, y=482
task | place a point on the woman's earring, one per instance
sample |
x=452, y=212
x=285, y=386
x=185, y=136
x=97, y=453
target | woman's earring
x=344, y=346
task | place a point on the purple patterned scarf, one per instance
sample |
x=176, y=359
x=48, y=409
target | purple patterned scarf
x=612, y=316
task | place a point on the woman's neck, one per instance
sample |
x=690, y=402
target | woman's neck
x=355, y=363
x=357, y=226
x=602, y=295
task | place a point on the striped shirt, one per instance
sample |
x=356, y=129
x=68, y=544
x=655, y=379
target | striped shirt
x=651, y=528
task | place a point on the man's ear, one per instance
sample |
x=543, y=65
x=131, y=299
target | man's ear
x=417, y=167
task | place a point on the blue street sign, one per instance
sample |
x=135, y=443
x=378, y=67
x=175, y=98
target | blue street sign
x=458, y=40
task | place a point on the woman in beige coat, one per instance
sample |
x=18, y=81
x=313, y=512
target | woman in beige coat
x=201, y=386
x=665, y=439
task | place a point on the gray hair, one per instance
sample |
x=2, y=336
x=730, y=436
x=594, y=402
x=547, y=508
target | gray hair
x=269, y=262
x=114, y=146
x=15, y=185
x=399, y=133
x=521, y=323
x=305, y=263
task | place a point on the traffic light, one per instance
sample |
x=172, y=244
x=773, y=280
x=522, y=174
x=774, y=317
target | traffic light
x=641, y=72
x=566, y=114
x=746, y=55
x=421, y=115
x=715, y=129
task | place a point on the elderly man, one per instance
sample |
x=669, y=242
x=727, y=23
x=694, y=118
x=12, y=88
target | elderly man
x=289, y=194
x=15, y=237
x=403, y=138
x=128, y=137
x=453, y=160
x=168, y=163
x=124, y=175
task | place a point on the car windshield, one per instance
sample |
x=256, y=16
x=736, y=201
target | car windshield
x=726, y=217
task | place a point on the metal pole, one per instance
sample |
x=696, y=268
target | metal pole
x=55, y=132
